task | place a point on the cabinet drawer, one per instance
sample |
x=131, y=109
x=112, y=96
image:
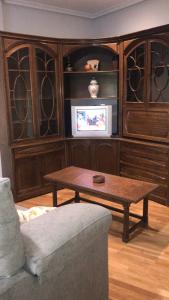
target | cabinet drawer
x=142, y=175
x=155, y=152
x=38, y=149
x=145, y=164
x=148, y=163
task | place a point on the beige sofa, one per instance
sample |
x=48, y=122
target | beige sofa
x=61, y=255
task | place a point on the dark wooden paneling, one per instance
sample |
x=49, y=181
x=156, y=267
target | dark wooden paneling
x=52, y=161
x=79, y=153
x=31, y=164
x=147, y=150
x=149, y=124
x=38, y=149
x=27, y=175
x=146, y=162
x=145, y=89
x=105, y=156
x=99, y=155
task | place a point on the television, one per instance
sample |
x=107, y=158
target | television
x=91, y=121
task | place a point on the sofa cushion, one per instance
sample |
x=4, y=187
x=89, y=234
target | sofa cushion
x=50, y=240
x=12, y=256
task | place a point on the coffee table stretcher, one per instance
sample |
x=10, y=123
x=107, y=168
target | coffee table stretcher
x=127, y=229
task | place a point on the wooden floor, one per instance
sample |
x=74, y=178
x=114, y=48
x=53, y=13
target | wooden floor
x=138, y=270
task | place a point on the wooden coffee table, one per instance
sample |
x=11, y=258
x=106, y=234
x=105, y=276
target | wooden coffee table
x=115, y=189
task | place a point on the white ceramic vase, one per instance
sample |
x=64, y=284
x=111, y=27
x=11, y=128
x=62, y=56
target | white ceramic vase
x=93, y=88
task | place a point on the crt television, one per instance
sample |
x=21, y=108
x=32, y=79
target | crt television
x=91, y=121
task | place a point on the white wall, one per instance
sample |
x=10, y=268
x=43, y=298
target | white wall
x=1, y=16
x=0, y=166
x=147, y=14
x=144, y=15
x=1, y=28
x=39, y=22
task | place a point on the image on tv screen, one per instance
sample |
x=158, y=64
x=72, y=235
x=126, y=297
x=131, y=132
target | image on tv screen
x=91, y=119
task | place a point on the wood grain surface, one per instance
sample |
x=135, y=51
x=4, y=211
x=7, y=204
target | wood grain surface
x=116, y=187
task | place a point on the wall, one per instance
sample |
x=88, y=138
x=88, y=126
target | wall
x=147, y=14
x=1, y=28
x=144, y=15
x=39, y=22
x=1, y=16
x=0, y=166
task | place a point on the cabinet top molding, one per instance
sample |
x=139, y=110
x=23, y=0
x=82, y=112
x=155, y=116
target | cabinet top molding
x=115, y=39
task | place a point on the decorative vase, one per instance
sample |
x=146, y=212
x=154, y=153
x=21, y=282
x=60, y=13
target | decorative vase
x=93, y=88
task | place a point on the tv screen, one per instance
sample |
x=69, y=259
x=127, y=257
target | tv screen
x=91, y=120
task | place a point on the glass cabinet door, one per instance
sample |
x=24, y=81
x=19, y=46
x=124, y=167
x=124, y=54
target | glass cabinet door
x=46, y=83
x=20, y=92
x=135, y=63
x=159, y=75
x=32, y=92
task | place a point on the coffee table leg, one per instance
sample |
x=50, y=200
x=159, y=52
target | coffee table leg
x=55, y=202
x=77, y=198
x=125, y=237
x=145, y=211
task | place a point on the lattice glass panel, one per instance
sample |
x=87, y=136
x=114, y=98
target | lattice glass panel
x=159, y=77
x=20, y=94
x=47, y=93
x=135, y=74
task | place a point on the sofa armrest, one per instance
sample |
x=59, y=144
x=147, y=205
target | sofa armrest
x=52, y=239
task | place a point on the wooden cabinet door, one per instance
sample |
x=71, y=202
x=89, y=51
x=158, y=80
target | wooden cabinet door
x=99, y=155
x=52, y=161
x=105, y=156
x=46, y=91
x=32, y=163
x=33, y=91
x=146, y=89
x=20, y=95
x=79, y=154
x=27, y=177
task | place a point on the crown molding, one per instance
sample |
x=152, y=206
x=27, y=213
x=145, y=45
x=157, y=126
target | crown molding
x=123, y=4
x=49, y=7
x=53, y=8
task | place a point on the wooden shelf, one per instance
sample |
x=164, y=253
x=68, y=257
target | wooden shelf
x=159, y=67
x=23, y=122
x=20, y=99
x=135, y=68
x=87, y=98
x=19, y=71
x=92, y=72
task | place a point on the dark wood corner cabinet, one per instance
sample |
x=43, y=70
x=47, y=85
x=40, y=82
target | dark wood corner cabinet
x=33, y=114
x=41, y=79
x=146, y=111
